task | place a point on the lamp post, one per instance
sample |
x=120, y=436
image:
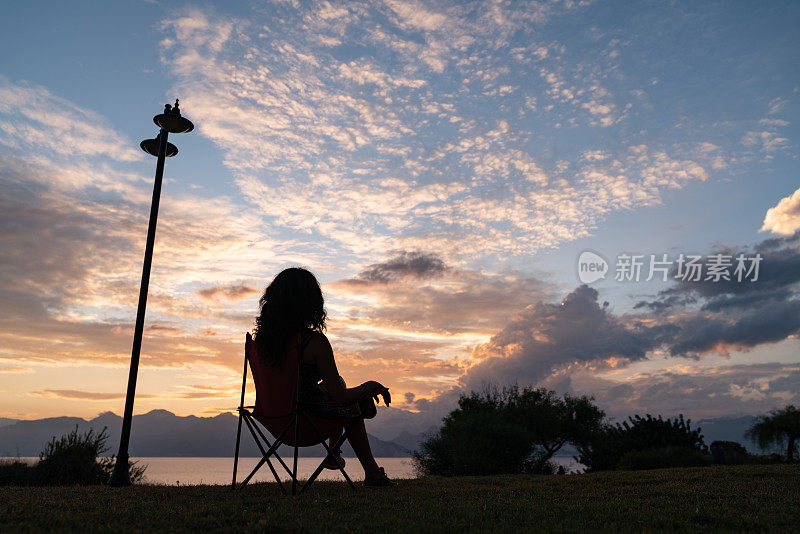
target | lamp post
x=169, y=122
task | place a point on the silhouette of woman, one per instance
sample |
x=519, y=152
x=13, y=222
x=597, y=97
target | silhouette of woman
x=293, y=304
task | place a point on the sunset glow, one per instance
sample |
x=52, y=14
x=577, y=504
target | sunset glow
x=438, y=166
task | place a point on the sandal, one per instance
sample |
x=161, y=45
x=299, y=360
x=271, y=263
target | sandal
x=381, y=482
x=334, y=461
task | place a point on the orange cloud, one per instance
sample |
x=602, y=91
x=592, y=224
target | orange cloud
x=230, y=292
x=74, y=394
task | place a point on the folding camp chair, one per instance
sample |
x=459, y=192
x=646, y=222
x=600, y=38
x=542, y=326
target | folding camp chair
x=279, y=410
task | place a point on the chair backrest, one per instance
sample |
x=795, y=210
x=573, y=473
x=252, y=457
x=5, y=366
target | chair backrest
x=277, y=397
x=276, y=386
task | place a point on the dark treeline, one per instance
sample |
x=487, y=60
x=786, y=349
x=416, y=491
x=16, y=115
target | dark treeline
x=496, y=431
x=519, y=430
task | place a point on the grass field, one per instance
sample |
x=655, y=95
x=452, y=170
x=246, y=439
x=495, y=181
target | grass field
x=734, y=499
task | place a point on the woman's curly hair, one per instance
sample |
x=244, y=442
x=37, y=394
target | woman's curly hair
x=291, y=303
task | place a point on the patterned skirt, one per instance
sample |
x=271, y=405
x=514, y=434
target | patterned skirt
x=313, y=390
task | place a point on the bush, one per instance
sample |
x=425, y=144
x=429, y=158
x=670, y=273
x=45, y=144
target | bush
x=730, y=453
x=536, y=467
x=507, y=431
x=474, y=444
x=71, y=459
x=15, y=473
x=662, y=457
x=607, y=447
x=772, y=458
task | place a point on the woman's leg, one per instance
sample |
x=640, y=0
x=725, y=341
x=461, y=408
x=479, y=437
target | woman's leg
x=357, y=436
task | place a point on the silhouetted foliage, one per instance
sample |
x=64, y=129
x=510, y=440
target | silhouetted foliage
x=730, y=453
x=532, y=466
x=15, y=472
x=779, y=428
x=507, y=431
x=663, y=457
x=607, y=446
x=70, y=459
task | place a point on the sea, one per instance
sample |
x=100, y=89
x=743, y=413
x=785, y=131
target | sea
x=192, y=471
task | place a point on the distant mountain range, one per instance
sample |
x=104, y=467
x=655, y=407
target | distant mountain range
x=162, y=433
x=4, y=421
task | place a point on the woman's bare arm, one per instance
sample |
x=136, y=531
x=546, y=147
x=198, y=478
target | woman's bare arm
x=319, y=348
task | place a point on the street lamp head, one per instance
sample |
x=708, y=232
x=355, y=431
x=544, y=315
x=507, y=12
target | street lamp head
x=172, y=121
x=151, y=147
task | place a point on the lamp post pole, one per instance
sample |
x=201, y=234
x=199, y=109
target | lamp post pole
x=169, y=121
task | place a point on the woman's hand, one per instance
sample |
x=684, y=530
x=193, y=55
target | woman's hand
x=376, y=388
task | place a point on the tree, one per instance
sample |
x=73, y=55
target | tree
x=778, y=428
x=507, y=431
x=608, y=446
x=554, y=421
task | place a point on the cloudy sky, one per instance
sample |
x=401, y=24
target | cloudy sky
x=440, y=166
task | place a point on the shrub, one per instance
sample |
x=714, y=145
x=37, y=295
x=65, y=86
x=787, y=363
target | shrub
x=532, y=466
x=662, y=457
x=474, y=444
x=772, y=458
x=70, y=459
x=15, y=472
x=730, y=453
x=607, y=446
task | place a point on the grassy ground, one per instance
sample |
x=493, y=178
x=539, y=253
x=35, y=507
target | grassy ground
x=734, y=499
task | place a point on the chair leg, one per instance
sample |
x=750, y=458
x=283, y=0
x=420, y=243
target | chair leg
x=241, y=407
x=273, y=450
x=294, y=467
x=280, y=460
x=256, y=432
x=320, y=467
x=329, y=451
x=275, y=474
x=253, y=472
x=236, y=453
x=312, y=478
x=264, y=453
x=250, y=426
x=275, y=445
